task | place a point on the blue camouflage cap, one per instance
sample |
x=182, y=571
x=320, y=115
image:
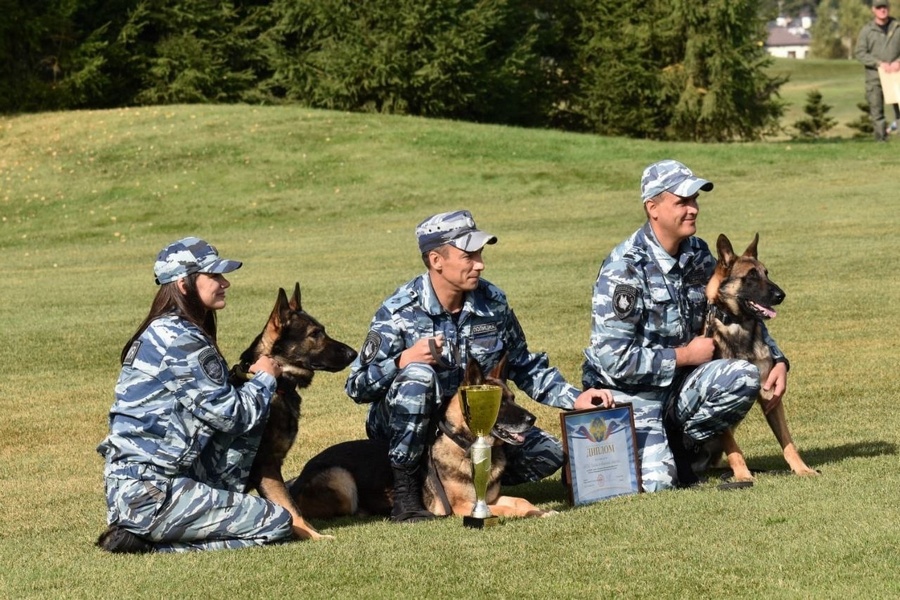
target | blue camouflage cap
x=456, y=228
x=190, y=255
x=671, y=176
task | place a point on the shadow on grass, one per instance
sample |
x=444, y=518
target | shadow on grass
x=818, y=457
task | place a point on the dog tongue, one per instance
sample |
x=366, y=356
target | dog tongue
x=764, y=310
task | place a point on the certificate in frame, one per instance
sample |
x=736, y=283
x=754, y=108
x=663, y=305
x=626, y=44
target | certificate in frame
x=602, y=459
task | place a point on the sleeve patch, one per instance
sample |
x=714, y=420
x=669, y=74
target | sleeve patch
x=624, y=300
x=370, y=347
x=212, y=366
x=132, y=353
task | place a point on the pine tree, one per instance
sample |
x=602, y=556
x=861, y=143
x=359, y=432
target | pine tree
x=817, y=121
x=676, y=69
x=863, y=123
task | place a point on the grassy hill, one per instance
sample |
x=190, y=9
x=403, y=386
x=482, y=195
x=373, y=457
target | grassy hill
x=331, y=200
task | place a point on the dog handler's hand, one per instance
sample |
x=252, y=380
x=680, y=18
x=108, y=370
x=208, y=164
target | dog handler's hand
x=421, y=352
x=593, y=398
x=265, y=363
x=777, y=382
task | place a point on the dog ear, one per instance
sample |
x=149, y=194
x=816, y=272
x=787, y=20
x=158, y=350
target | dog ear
x=295, y=299
x=751, y=249
x=474, y=375
x=277, y=318
x=500, y=371
x=723, y=247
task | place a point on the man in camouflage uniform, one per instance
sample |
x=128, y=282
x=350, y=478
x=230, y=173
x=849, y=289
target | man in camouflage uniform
x=462, y=316
x=878, y=47
x=182, y=439
x=647, y=310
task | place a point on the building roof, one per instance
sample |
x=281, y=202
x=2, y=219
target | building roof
x=787, y=36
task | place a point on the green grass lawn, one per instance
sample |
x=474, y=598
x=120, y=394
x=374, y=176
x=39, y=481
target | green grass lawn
x=331, y=200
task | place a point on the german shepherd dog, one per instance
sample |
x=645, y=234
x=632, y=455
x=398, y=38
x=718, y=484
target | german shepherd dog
x=741, y=296
x=355, y=478
x=300, y=345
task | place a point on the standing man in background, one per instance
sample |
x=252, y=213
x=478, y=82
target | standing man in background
x=878, y=48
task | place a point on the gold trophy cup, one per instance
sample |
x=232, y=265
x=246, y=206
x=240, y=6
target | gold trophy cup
x=480, y=404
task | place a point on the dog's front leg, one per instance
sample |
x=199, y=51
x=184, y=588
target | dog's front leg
x=510, y=506
x=735, y=457
x=778, y=423
x=271, y=487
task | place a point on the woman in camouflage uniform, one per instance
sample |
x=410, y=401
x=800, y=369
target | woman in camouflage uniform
x=181, y=438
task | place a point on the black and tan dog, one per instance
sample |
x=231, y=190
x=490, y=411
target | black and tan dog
x=298, y=342
x=355, y=478
x=741, y=296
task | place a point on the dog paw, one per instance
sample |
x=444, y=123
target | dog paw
x=549, y=513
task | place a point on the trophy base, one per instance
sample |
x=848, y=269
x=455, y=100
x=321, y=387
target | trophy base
x=480, y=522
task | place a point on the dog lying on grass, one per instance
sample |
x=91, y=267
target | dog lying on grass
x=355, y=478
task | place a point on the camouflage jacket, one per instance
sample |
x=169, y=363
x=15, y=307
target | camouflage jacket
x=485, y=328
x=874, y=46
x=173, y=397
x=645, y=304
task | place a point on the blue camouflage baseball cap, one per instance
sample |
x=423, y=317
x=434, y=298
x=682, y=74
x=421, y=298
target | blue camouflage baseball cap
x=671, y=176
x=456, y=228
x=190, y=255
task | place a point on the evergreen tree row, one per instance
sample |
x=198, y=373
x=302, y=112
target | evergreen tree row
x=660, y=69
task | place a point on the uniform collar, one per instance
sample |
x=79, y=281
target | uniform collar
x=663, y=259
x=473, y=303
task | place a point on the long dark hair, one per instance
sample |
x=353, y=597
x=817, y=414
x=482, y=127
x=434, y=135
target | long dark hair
x=169, y=299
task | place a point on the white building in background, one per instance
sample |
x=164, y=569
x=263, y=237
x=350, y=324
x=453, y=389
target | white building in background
x=789, y=38
x=783, y=42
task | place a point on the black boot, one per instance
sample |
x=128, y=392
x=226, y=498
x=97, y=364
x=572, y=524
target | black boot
x=408, y=506
x=119, y=540
x=682, y=448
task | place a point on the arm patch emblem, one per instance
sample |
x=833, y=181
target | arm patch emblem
x=132, y=353
x=624, y=300
x=370, y=347
x=212, y=366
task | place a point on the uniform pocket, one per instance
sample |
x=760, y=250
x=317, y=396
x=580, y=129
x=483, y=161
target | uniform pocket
x=486, y=349
x=136, y=502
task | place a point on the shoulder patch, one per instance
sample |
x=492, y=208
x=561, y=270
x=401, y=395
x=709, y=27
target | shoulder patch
x=624, y=300
x=212, y=365
x=370, y=347
x=132, y=353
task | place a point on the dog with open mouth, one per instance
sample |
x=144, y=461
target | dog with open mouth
x=740, y=298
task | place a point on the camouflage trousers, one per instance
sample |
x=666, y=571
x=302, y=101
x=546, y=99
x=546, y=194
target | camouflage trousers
x=715, y=396
x=406, y=419
x=206, y=509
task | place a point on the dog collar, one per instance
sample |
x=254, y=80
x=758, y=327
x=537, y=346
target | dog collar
x=240, y=371
x=459, y=440
x=716, y=313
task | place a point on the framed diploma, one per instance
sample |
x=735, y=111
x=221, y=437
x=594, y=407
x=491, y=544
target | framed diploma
x=601, y=452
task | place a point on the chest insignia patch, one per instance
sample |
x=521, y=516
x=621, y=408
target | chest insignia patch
x=484, y=328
